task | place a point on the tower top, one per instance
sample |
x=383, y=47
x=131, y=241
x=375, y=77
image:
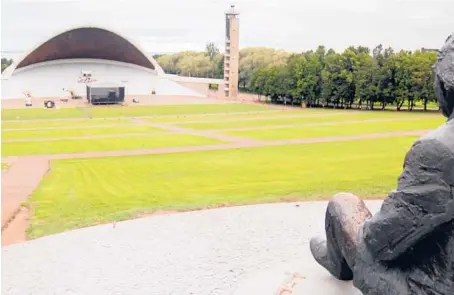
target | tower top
x=232, y=11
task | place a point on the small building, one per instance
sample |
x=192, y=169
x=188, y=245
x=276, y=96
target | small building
x=105, y=93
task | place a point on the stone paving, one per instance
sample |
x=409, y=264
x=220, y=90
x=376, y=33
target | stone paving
x=237, y=250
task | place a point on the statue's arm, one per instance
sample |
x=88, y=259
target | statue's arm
x=422, y=201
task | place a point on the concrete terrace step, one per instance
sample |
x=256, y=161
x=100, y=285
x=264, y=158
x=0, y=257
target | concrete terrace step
x=18, y=182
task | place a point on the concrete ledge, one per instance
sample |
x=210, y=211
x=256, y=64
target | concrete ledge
x=298, y=278
x=253, y=250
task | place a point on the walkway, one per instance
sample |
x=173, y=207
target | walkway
x=239, y=250
x=18, y=182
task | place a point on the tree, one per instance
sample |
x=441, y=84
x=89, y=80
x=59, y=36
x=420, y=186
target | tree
x=219, y=67
x=308, y=76
x=211, y=50
x=337, y=76
x=403, y=78
x=365, y=80
x=244, y=76
x=255, y=58
x=257, y=82
x=169, y=63
x=277, y=84
x=423, y=76
x=6, y=63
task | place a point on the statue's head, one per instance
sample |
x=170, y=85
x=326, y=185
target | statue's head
x=444, y=77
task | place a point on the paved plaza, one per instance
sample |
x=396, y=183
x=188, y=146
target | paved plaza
x=236, y=250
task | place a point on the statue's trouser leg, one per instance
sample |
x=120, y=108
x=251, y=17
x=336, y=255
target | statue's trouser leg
x=344, y=216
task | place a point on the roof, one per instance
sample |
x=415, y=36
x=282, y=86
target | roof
x=86, y=43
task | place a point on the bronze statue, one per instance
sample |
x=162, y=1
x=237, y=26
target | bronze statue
x=408, y=246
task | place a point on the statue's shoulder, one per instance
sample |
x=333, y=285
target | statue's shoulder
x=443, y=136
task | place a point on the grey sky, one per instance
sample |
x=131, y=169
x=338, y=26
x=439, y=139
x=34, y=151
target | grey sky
x=295, y=25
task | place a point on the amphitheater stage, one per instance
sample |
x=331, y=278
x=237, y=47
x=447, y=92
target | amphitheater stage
x=52, y=79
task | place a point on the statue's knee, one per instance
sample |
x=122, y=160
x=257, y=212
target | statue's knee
x=346, y=198
x=342, y=201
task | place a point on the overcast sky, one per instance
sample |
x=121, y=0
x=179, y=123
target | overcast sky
x=294, y=25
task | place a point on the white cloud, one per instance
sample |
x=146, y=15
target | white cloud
x=173, y=25
x=42, y=1
x=169, y=47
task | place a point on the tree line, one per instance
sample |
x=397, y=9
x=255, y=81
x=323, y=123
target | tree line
x=354, y=78
x=207, y=64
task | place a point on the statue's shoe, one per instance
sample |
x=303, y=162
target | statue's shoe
x=319, y=251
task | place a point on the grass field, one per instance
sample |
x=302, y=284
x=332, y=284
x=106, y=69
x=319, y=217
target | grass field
x=118, y=111
x=72, y=132
x=62, y=124
x=67, y=146
x=341, y=129
x=270, y=121
x=339, y=124
x=83, y=192
x=270, y=114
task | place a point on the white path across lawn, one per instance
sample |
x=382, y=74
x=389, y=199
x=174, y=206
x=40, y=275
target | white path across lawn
x=202, y=252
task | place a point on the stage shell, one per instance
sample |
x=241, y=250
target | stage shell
x=55, y=65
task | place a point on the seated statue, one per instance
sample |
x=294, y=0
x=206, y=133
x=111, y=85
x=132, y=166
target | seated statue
x=408, y=246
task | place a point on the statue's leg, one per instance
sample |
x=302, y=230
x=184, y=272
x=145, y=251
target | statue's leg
x=337, y=253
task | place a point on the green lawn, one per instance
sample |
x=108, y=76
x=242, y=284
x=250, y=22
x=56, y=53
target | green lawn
x=28, y=114
x=341, y=129
x=308, y=119
x=84, y=192
x=123, y=111
x=85, y=131
x=61, y=124
x=270, y=113
x=102, y=144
